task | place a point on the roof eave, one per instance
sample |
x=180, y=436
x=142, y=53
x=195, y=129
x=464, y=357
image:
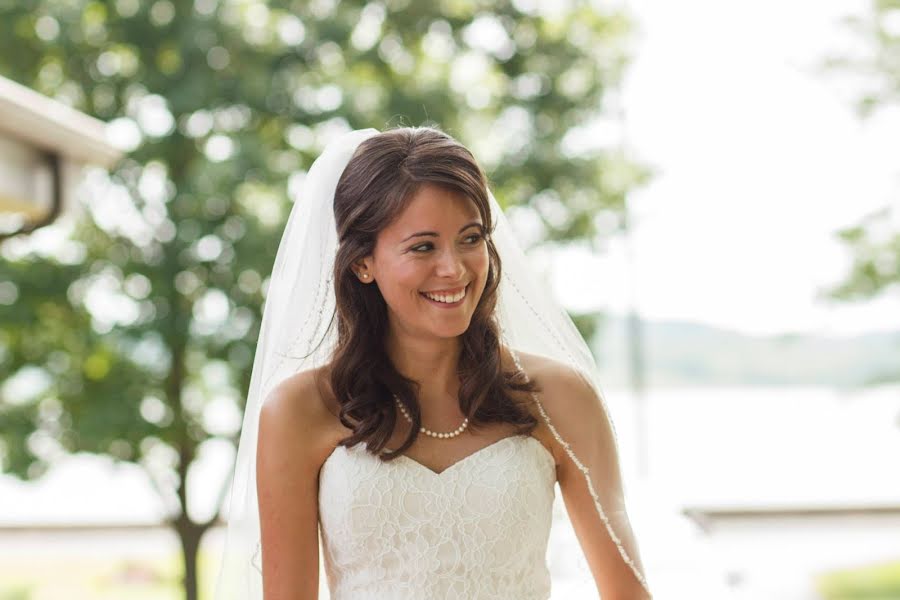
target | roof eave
x=53, y=126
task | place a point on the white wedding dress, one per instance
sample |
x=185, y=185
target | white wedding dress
x=477, y=530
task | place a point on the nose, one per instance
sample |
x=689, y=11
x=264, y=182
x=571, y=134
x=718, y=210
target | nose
x=450, y=265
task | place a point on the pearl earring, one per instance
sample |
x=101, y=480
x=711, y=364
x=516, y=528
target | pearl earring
x=365, y=275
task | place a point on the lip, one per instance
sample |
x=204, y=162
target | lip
x=450, y=291
x=445, y=304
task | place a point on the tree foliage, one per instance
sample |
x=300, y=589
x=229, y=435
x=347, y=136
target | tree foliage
x=141, y=329
x=874, y=242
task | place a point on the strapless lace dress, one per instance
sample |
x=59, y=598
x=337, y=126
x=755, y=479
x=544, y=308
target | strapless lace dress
x=477, y=530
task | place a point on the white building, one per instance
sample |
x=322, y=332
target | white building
x=44, y=146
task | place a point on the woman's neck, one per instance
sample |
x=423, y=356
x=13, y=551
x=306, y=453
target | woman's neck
x=433, y=363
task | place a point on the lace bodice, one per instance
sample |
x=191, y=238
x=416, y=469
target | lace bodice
x=476, y=530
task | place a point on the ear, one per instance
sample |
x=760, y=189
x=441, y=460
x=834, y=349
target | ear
x=363, y=268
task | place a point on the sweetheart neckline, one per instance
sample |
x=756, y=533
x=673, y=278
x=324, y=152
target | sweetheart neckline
x=467, y=458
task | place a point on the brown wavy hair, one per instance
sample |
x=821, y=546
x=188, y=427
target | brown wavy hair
x=378, y=183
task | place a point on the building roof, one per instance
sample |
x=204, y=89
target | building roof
x=51, y=125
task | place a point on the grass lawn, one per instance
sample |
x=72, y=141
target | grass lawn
x=68, y=578
x=876, y=582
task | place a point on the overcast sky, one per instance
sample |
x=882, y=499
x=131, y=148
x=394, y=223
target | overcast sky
x=759, y=158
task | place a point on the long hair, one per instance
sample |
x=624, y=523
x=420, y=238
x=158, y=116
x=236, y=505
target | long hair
x=378, y=183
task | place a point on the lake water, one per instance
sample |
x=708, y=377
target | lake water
x=711, y=447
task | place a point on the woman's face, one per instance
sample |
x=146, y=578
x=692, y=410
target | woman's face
x=436, y=248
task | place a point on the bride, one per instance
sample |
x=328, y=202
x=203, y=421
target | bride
x=416, y=398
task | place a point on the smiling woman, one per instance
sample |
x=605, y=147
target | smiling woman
x=416, y=397
x=448, y=271
x=417, y=277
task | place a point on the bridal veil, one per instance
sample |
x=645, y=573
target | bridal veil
x=298, y=333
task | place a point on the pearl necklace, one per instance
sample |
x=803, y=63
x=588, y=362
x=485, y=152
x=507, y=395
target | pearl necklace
x=427, y=431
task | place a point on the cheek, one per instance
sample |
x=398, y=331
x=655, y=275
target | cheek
x=480, y=264
x=405, y=279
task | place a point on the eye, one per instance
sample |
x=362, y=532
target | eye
x=472, y=239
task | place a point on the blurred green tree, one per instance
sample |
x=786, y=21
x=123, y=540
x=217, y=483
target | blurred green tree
x=873, y=242
x=143, y=326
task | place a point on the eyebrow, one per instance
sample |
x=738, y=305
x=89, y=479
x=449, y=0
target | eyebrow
x=435, y=234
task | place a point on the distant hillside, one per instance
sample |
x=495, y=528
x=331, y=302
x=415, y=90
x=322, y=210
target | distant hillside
x=685, y=353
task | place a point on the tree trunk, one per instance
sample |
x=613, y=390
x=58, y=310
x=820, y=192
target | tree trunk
x=190, y=535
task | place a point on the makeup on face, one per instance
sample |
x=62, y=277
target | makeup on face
x=447, y=298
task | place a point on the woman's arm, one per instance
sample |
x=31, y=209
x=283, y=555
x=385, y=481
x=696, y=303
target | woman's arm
x=578, y=415
x=289, y=454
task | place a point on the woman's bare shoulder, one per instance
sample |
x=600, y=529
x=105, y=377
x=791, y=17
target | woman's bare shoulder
x=547, y=373
x=543, y=368
x=560, y=381
x=302, y=407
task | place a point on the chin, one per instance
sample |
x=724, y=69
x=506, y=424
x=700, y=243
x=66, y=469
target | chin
x=448, y=331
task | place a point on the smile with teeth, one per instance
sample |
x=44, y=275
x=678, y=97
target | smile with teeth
x=446, y=298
